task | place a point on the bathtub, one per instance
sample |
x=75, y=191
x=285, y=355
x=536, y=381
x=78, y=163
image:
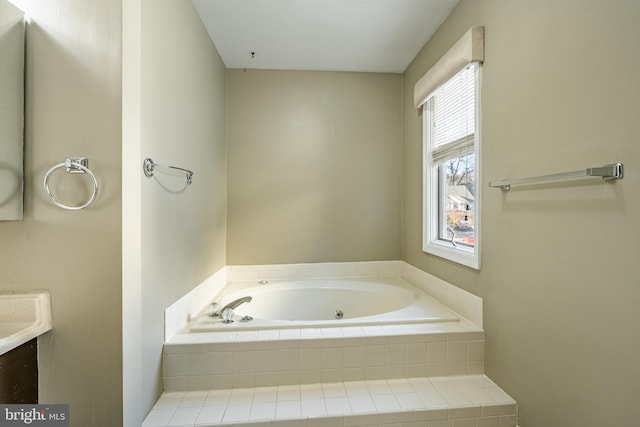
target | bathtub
x=322, y=303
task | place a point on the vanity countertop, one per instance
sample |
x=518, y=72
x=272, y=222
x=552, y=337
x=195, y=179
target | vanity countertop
x=23, y=316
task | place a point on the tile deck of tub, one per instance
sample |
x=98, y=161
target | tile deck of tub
x=463, y=401
x=237, y=336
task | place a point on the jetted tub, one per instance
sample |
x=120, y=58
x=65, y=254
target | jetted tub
x=325, y=303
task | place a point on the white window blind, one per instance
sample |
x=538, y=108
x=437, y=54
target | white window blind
x=453, y=116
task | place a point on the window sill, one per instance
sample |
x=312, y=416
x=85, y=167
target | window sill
x=460, y=254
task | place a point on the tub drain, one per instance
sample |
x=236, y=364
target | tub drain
x=338, y=314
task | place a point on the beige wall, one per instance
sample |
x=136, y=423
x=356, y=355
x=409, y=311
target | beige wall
x=73, y=108
x=175, y=100
x=559, y=275
x=313, y=166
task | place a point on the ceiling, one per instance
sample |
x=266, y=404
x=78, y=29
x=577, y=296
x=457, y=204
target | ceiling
x=326, y=35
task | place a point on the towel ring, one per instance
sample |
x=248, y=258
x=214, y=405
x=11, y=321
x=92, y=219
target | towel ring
x=73, y=165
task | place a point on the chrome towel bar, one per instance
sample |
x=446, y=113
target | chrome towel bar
x=607, y=172
x=149, y=167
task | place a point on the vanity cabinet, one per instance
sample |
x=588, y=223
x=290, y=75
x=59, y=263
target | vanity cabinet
x=19, y=374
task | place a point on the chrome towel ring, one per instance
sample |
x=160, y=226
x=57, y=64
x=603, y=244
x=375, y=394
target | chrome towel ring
x=73, y=165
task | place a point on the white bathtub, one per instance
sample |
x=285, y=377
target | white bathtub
x=313, y=303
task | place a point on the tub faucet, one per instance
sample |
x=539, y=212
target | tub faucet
x=215, y=312
x=235, y=303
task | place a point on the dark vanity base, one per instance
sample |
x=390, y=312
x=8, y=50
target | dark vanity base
x=19, y=374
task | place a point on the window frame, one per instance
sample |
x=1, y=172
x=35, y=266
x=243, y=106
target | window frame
x=433, y=203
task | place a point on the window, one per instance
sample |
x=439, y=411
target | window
x=451, y=171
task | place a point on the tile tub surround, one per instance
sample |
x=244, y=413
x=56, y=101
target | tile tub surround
x=462, y=401
x=193, y=303
x=419, y=375
x=302, y=356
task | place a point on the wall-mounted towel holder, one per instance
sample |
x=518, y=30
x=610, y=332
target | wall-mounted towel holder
x=149, y=168
x=73, y=165
x=607, y=172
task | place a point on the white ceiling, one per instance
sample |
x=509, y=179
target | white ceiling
x=335, y=35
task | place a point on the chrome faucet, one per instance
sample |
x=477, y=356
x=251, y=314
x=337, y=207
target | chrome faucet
x=214, y=312
x=236, y=303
